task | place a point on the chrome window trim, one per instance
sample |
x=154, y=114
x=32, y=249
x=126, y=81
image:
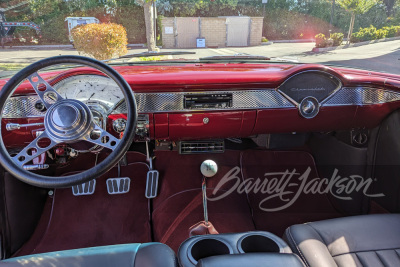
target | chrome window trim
x=23, y=106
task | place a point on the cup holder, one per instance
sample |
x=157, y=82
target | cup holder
x=257, y=243
x=207, y=247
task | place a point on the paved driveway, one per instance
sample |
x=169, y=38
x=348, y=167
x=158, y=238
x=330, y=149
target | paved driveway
x=379, y=57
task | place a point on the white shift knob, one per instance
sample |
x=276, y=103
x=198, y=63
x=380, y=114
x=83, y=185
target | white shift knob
x=209, y=168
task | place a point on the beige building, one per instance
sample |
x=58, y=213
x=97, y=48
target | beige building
x=191, y=32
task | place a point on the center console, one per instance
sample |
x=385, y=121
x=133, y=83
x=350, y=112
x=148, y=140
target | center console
x=237, y=249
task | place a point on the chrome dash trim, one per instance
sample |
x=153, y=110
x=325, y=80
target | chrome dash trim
x=172, y=102
x=361, y=96
x=24, y=106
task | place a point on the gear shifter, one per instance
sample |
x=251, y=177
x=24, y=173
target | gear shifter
x=208, y=168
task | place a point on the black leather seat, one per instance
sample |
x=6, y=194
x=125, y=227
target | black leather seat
x=142, y=255
x=367, y=240
x=253, y=260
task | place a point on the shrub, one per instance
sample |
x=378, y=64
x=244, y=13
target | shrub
x=264, y=40
x=371, y=33
x=392, y=31
x=320, y=40
x=337, y=38
x=53, y=30
x=132, y=18
x=381, y=33
x=101, y=41
x=365, y=34
x=354, y=38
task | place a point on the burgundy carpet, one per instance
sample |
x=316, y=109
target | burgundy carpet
x=179, y=206
x=70, y=222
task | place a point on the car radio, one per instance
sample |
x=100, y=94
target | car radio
x=207, y=101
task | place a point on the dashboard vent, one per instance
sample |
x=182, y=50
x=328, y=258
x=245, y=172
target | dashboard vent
x=201, y=147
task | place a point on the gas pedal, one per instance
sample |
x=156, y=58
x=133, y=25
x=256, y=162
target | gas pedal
x=84, y=189
x=118, y=185
x=152, y=184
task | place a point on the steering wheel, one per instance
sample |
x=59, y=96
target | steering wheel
x=66, y=121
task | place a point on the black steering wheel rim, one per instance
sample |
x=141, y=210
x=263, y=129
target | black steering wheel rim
x=110, y=161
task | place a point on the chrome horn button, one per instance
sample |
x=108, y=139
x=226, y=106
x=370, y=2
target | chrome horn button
x=309, y=107
x=65, y=116
x=68, y=120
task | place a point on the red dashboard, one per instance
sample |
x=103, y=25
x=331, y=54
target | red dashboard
x=369, y=98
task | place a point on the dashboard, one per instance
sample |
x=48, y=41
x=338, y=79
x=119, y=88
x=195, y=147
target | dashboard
x=198, y=105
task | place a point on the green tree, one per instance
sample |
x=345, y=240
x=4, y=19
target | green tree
x=389, y=4
x=355, y=7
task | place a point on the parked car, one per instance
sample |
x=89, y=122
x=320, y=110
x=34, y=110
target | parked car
x=72, y=22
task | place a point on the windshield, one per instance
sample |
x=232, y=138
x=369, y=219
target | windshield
x=363, y=34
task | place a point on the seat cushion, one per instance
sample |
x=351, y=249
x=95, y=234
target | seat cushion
x=367, y=240
x=143, y=255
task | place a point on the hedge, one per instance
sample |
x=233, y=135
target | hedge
x=371, y=33
x=101, y=41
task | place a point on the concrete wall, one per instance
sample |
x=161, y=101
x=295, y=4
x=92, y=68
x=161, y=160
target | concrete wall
x=213, y=29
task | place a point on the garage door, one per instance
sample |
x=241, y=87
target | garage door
x=188, y=31
x=238, y=31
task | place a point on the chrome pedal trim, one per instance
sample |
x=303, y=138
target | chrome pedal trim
x=152, y=184
x=84, y=189
x=118, y=185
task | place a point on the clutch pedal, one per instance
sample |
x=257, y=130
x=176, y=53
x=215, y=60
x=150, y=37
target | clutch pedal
x=118, y=185
x=84, y=189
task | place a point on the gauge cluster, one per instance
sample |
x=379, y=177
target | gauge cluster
x=91, y=89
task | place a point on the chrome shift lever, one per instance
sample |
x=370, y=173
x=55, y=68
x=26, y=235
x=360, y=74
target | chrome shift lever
x=208, y=168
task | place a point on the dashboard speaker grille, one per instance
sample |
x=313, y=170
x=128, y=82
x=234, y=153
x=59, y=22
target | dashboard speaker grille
x=201, y=147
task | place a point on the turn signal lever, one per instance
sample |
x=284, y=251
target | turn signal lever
x=17, y=126
x=208, y=168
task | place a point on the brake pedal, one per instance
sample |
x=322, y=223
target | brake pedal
x=118, y=185
x=152, y=183
x=84, y=189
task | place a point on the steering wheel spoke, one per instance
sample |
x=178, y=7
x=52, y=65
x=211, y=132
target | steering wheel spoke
x=44, y=90
x=102, y=138
x=66, y=121
x=37, y=147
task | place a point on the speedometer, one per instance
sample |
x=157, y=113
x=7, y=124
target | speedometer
x=90, y=88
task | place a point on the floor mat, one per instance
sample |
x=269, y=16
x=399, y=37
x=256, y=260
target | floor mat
x=179, y=205
x=285, y=198
x=70, y=222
